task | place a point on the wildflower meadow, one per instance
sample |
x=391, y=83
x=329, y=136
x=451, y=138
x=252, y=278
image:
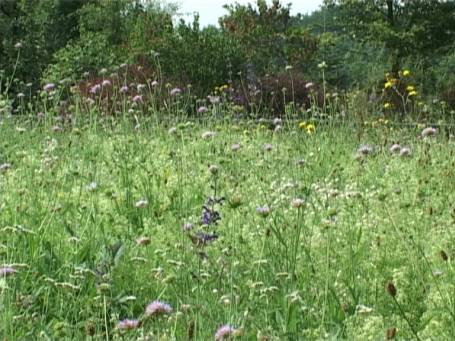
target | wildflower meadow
x=248, y=205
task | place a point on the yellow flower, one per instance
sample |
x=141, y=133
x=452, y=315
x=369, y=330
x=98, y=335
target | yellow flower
x=388, y=84
x=412, y=93
x=310, y=129
x=410, y=88
x=302, y=125
x=406, y=73
x=387, y=105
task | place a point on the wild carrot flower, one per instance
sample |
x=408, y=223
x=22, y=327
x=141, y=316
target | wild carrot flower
x=157, y=308
x=128, y=324
x=226, y=331
x=297, y=203
x=20, y=95
x=7, y=271
x=430, y=131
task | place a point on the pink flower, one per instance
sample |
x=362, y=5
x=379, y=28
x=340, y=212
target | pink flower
x=129, y=324
x=124, y=89
x=430, y=131
x=157, y=308
x=106, y=82
x=202, y=110
x=175, y=92
x=7, y=271
x=49, y=87
x=154, y=83
x=225, y=331
x=137, y=98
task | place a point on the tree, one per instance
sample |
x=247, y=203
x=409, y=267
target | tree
x=404, y=27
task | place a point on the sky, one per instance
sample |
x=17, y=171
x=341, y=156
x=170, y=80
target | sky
x=211, y=10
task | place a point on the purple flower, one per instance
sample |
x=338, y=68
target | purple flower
x=154, y=83
x=124, y=89
x=209, y=216
x=106, y=82
x=49, y=87
x=202, y=238
x=263, y=210
x=128, y=324
x=137, y=99
x=225, y=331
x=157, y=308
x=202, y=110
x=7, y=271
x=430, y=131
x=175, y=92
x=405, y=151
x=94, y=89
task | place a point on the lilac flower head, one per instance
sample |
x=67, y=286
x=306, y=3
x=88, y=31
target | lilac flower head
x=430, y=131
x=225, y=332
x=395, y=148
x=202, y=110
x=405, y=151
x=128, y=324
x=124, y=89
x=209, y=216
x=49, y=87
x=175, y=92
x=106, y=82
x=158, y=308
x=7, y=271
x=154, y=83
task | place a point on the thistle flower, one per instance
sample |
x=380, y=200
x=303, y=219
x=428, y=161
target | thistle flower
x=430, y=131
x=128, y=324
x=141, y=203
x=208, y=135
x=263, y=210
x=175, y=92
x=395, y=148
x=49, y=87
x=157, y=308
x=226, y=331
x=7, y=271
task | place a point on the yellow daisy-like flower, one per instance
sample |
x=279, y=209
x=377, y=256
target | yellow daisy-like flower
x=387, y=105
x=412, y=93
x=410, y=88
x=302, y=125
x=388, y=85
x=310, y=129
x=406, y=73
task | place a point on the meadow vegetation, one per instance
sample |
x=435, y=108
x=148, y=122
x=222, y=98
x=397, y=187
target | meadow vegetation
x=277, y=178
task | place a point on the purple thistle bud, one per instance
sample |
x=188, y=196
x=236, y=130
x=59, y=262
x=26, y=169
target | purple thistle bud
x=157, y=308
x=128, y=324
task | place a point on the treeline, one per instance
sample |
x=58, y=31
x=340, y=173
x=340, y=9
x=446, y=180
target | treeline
x=355, y=42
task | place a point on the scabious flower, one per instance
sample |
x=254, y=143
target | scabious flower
x=137, y=99
x=235, y=147
x=95, y=89
x=128, y=324
x=7, y=271
x=430, y=131
x=157, y=308
x=49, y=87
x=297, y=203
x=4, y=167
x=187, y=226
x=309, y=85
x=202, y=110
x=365, y=149
x=267, y=147
x=225, y=332
x=124, y=89
x=106, y=82
x=263, y=211
x=395, y=148
x=405, y=151
x=175, y=92
x=154, y=83
x=208, y=135
x=141, y=203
